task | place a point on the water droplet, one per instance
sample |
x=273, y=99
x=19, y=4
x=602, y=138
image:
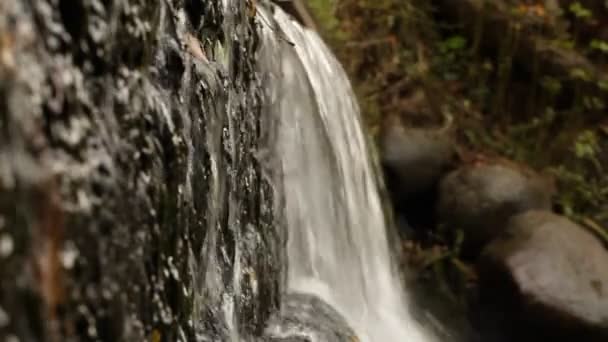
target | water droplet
x=6, y=246
x=83, y=310
x=173, y=269
x=166, y=315
x=92, y=331
x=106, y=294
x=69, y=255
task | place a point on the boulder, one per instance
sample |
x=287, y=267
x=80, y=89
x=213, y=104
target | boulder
x=480, y=197
x=545, y=279
x=307, y=318
x=414, y=158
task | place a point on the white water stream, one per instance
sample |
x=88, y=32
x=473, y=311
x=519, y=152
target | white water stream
x=337, y=236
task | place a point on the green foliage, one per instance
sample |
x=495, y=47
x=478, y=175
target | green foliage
x=594, y=103
x=373, y=40
x=453, y=43
x=581, y=192
x=586, y=145
x=599, y=45
x=580, y=74
x=325, y=15
x=580, y=11
x=551, y=85
x=392, y=47
x=450, y=62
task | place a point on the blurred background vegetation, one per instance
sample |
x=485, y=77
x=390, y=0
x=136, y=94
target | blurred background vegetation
x=523, y=80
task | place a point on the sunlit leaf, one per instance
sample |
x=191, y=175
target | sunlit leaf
x=580, y=11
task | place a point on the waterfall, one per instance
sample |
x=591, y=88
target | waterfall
x=337, y=245
x=153, y=156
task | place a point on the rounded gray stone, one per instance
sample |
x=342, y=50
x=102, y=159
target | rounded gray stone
x=480, y=198
x=550, y=275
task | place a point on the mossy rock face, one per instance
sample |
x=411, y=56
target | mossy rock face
x=545, y=278
x=479, y=198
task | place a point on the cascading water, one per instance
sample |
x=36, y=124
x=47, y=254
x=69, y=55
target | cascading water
x=337, y=244
x=133, y=202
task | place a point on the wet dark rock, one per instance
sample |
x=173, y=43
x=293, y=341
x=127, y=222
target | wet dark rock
x=132, y=206
x=307, y=318
x=544, y=279
x=480, y=197
x=414, y=160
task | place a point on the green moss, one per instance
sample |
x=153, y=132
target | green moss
x=324, y=13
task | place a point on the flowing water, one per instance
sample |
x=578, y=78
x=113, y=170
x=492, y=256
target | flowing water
x=133, y=176
x=337, y=244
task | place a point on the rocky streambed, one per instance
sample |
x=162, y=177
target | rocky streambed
x=491, y=245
